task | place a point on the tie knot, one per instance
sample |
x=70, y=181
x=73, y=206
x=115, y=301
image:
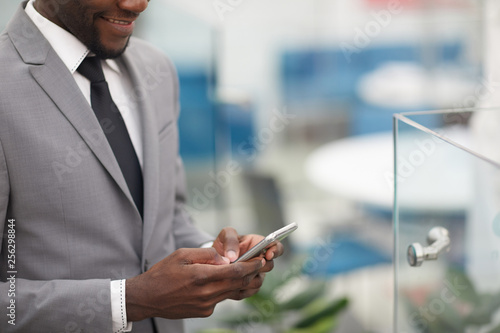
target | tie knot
x=91, y=68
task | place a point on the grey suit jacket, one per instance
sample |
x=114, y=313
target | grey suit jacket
x=76, y=226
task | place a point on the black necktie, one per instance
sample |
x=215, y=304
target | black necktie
x=114, y=128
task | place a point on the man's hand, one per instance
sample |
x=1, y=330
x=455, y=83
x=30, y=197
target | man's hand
x=189, y=283
x=230, y=245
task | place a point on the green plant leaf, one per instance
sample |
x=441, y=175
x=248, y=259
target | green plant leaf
x=325, y=325
x=487, y=305
x=258, y=300
x=259, y=309
x=301, y=300
x=249, y=317
x=275, y=280
x=467, y=291
x=328, y=310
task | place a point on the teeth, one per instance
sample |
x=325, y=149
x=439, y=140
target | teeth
x=118, y=22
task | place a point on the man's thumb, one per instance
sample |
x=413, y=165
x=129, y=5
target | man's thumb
x=210, y=256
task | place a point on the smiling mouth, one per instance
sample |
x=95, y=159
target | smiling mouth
x=121, y=22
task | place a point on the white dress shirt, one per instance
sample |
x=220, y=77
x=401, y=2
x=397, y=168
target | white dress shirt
x=72, y=52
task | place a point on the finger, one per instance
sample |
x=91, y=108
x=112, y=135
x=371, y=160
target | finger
x=256, y=282
x=248, y=291
x=231, y=243
x=275, y=251
x=237, y=294
x=242, y=294
x=268, y=266
x=207, y=256
x=251, y=289
x=237, y=274
x=247, y=241
x=225, y=285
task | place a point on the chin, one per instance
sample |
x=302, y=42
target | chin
x=109, y=54
x=104, y=52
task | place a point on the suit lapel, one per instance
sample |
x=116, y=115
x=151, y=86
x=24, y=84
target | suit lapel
x=78, y=112
x=150, y=143
x=54, y=78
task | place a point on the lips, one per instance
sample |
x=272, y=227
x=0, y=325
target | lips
x=120, y=26
x=117, y=21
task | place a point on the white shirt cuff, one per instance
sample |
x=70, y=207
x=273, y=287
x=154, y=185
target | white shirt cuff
x=118, y=309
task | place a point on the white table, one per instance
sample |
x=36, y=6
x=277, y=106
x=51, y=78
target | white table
x=361, y=169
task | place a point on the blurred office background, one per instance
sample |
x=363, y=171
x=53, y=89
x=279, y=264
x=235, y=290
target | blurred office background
x=286, y=116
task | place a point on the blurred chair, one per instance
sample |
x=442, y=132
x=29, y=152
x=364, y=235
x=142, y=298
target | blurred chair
x=267, y=204
x=350, y=248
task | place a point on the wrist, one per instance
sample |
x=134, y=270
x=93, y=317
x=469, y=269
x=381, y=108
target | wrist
x=137, y=304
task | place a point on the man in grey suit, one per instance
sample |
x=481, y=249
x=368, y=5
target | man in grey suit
x=95, y=236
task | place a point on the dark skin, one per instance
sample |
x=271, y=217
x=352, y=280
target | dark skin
x=189, y=282
x=104, y=26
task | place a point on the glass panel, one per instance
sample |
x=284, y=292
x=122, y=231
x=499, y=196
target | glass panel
x=447, y=279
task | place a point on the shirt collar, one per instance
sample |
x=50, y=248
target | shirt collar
x=67, y=46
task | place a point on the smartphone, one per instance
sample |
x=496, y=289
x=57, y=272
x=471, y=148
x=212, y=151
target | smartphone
x=267, y=242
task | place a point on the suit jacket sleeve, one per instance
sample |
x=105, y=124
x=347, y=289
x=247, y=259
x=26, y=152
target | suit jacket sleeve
x=186, y=234
x=46, y=306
